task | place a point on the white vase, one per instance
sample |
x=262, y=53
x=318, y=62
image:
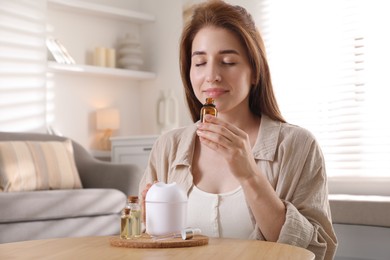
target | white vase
x=129, y=53
x=167, y=111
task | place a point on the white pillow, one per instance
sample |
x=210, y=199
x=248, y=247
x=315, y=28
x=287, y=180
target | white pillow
x=35, y=165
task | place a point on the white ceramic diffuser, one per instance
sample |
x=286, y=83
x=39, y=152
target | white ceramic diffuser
x=166, y=209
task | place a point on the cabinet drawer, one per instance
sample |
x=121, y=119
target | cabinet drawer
x=132, y=150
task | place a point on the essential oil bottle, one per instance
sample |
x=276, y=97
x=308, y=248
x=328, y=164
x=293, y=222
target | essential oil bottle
x=131, y=219
x=135, y=217
x=208, y=108
x=125, y=223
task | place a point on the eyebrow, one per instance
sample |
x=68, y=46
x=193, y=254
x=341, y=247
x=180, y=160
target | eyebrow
x=220, y=52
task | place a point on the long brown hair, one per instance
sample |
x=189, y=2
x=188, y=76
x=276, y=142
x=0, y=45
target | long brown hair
x=237, y=20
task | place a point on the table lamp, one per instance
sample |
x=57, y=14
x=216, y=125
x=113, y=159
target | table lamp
x=107, y=119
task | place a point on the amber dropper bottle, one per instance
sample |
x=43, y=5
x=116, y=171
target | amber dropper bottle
x=208, y=108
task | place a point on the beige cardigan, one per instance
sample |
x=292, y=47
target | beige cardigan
x=291, y=159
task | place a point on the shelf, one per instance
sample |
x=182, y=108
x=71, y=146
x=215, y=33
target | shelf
x=101, y=10
x=100, y=71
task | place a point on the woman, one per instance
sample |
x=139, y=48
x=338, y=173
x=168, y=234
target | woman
x=247, y=173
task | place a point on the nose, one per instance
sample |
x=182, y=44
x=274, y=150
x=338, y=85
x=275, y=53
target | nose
x=212, y=75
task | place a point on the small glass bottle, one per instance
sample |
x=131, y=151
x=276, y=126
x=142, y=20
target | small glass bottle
x=208, y=108
x=125, y=223
x=135, y=217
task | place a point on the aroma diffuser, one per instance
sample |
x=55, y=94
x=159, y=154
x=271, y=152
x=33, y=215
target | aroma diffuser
x=166, y=209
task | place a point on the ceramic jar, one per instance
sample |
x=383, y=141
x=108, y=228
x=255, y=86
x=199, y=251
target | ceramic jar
x=166, y=209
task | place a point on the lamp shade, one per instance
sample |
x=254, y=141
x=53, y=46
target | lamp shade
x=107, y=118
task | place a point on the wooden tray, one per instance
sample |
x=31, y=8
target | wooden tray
x=145, y=241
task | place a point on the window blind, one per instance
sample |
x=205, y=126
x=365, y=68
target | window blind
x=22, y=65
x=329, y=65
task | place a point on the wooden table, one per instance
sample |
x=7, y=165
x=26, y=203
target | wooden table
x=100, y=248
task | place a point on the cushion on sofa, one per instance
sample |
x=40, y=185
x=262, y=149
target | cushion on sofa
x=369, y=210
x=59, y=204
x=34, y=165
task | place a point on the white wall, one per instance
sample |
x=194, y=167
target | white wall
x=162, y=44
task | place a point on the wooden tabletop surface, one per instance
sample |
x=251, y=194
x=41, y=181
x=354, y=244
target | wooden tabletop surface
x=100, y=248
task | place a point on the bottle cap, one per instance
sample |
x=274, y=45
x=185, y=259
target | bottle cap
x=189, y=233
x=209, y=100
x=132, y=199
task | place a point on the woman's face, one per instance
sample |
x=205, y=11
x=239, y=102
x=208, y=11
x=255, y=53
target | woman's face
x=220, y=69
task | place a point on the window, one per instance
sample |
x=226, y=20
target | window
x=22, y=65
x=329, y=67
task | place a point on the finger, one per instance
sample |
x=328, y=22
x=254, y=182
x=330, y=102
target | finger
x=212, y=120
x=218, y=134
x=222, y=139
x=213, y=143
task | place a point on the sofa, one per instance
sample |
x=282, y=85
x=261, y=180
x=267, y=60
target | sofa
x=88, y=205
x=362, y=226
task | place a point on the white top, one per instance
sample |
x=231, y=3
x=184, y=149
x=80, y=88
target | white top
x=219, y=215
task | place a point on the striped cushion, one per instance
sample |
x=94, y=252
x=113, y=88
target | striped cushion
x=28, y=166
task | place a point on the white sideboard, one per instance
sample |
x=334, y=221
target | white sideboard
x=132, y=149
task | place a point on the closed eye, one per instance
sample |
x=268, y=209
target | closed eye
x=229, y=63
x=199, y=64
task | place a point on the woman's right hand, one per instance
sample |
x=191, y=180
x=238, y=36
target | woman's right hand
x=143, y=207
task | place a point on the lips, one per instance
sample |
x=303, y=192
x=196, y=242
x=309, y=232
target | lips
x=215, y=92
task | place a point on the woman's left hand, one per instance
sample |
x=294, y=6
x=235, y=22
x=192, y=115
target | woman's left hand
x=231, y=142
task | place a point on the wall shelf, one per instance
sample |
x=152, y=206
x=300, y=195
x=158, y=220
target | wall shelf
x=101, y=10
x=99, y=71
